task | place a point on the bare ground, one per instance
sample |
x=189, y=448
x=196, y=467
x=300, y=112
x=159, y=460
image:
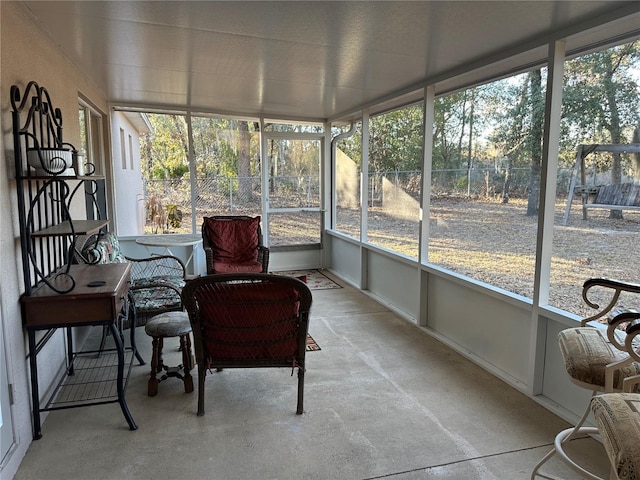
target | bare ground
x=496, y=244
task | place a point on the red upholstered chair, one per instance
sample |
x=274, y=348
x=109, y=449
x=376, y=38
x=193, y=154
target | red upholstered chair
x=246, y=321
x=233, y=244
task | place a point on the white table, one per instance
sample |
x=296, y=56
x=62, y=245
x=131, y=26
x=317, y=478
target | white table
x=167, y=242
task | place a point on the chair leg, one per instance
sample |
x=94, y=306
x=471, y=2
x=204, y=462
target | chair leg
x=202, y=371
x=186, y=363
x=563, y=437
x=192, y=360
x=300, y=407
x=152, y=387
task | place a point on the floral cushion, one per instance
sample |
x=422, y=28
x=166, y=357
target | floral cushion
x=150, y=295
x=105, y=250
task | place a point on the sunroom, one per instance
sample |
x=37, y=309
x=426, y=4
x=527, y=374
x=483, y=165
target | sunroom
x=396, y=145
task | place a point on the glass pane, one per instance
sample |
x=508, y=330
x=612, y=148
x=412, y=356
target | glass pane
x=294, y=228
x=227, y=163
x=82, y=117
x=294, y=180
x=600, y=111
x=347, y=186
x=485, y=180
x=294, y=185
x=165, y=172
x=395, y=163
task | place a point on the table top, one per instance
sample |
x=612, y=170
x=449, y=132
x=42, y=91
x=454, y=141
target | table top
x=169, y=240
x=97, y=298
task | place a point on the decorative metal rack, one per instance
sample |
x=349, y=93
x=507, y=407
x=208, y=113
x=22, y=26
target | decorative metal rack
x=45, y=195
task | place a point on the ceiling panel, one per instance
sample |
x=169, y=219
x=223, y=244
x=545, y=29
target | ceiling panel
x=301, y=59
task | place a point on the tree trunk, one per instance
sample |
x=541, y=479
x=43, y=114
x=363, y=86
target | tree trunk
x=244, y=163
x=614, y=126
x=636, y=156
x=507, y=180
x=537, y=122
x=470, y=151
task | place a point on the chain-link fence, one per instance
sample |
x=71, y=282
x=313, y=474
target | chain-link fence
x=169, y=205
x=476, y=182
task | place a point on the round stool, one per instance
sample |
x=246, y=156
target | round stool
x=170, y=324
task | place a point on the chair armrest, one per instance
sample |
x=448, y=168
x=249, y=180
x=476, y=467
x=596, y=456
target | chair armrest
x=157, y=266
x=263, y=258
x=615, y=286
x=619, y=326
x=208, y=255
x=632, y=345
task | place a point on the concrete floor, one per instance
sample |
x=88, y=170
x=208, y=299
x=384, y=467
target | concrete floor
x=383, y=400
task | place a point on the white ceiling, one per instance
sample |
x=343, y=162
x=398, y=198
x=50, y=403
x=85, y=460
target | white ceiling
x=307, y=60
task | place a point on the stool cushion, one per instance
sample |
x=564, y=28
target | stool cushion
x=168, y=324
x=587, y=351
x=618, y=419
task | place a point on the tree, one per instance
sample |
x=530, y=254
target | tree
x=535, y=140
x=602, y=96
x=512, y=131
x=244, y=162
x=165, y=149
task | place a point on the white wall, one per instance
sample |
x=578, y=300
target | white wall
x=128, y=198
x=25, y=55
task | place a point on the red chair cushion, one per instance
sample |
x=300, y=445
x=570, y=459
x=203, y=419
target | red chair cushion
x=249, y=321
x=246, y=267
x=233, y=241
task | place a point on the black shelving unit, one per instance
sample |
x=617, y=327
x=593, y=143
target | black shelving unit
x=57, y=293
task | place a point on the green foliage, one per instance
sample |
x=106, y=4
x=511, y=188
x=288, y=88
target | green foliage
x=395, y=141
x=164, y=150
x=601, y=96
x=174, y=216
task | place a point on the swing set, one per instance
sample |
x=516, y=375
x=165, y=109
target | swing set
x=621, y=196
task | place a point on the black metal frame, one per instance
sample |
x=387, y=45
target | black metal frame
x=44, y=200
x=48, y=239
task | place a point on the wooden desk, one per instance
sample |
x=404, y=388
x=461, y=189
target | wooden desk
x=84, y=305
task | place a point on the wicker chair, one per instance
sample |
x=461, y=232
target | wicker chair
x=156, y=282
x=233, y=244
x=248, y=321
x=599, y=359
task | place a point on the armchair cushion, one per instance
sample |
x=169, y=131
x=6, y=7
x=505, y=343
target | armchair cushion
x=618, y=423
x=587, y=351
x=234, y=243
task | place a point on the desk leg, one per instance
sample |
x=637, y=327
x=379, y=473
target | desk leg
x=35, y=394
x=120, y=382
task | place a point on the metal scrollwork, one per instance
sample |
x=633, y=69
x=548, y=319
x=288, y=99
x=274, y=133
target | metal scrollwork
x=43, y=165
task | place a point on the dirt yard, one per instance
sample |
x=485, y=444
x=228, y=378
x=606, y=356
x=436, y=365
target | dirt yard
x=496, y=243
